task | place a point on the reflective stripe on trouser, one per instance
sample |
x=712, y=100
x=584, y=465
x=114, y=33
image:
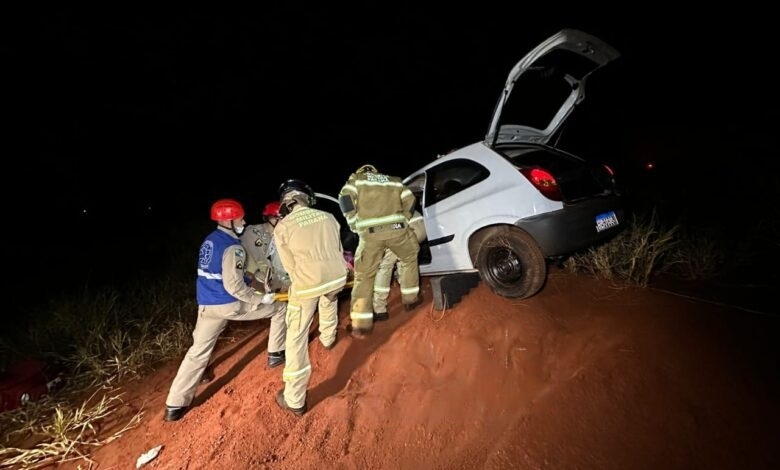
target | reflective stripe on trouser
x=368, y=256
x=383, y=280
x=297, y=368
x=212, y=320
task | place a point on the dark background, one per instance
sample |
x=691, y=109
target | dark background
x=122, y=124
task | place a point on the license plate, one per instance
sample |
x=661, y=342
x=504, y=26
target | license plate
x=605, y=221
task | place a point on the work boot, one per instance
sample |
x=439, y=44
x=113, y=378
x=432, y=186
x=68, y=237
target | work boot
x=412, y=305
x=275, y=359
x=381, y=316
x=283, y=404
x=359, y=333
x=174, y=413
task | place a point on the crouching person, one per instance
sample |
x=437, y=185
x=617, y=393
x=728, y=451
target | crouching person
x=223, y=295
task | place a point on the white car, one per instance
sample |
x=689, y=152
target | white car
x=506, y=206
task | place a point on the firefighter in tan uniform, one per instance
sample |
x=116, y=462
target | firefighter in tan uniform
x=378, y=208
x=223, y=295
x=263, y=260
x=309, y=245
x=384, y=275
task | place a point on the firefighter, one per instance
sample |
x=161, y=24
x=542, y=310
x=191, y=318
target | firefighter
x=378, y=208
x=223, y=295
x=309, y=246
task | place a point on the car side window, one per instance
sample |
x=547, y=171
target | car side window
x=452, y=177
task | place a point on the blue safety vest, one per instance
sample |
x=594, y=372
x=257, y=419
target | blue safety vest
x=209, y=288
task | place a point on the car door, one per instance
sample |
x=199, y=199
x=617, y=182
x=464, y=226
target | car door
x=445, y=192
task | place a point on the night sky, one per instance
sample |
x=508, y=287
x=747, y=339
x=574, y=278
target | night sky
x=120, y=110
x=121, y=126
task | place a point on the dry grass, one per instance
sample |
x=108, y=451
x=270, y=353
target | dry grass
x=99, y=340
x=648, y=247
x=62, y=432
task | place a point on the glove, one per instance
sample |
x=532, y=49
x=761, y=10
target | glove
x=268, y=298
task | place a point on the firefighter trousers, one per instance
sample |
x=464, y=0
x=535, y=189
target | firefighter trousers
x=368, y=256
x=297, y=367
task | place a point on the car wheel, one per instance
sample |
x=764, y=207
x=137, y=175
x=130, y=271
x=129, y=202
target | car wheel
x=510, y=262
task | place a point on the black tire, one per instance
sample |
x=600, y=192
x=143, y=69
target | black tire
x=510, y=262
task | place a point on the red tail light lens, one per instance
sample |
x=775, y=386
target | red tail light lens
x=544, y=182
x=609, y=170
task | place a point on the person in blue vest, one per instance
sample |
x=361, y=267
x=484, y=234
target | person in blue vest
x=223, y=294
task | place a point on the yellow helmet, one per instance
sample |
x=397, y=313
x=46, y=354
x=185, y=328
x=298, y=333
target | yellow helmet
x=366, y=169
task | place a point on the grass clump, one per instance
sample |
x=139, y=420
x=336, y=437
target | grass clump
x=648, y=246
x=97, y=341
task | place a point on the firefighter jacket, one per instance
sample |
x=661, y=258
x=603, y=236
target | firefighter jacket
x=309, y=246
x=374, y=203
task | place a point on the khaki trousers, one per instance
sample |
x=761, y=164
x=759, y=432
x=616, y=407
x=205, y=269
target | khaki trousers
x=212, y=320
x=297, y=367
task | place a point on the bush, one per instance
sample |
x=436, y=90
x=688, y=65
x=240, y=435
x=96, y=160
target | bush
x=648, y=246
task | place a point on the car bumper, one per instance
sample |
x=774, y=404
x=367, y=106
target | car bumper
x=572, y=228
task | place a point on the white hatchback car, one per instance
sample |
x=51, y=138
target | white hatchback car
x=506, y=206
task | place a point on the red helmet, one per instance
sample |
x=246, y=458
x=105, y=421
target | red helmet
x=226, y=209
x=271, y=209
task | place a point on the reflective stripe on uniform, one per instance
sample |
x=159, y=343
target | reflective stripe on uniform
x=410, y=290
x=382, y=289
x=323, y=288
x=392, y=184
x=209, y=275
x=373, y=222
x=361, y=315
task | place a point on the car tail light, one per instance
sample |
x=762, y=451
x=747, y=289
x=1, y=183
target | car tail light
x=544, y=182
